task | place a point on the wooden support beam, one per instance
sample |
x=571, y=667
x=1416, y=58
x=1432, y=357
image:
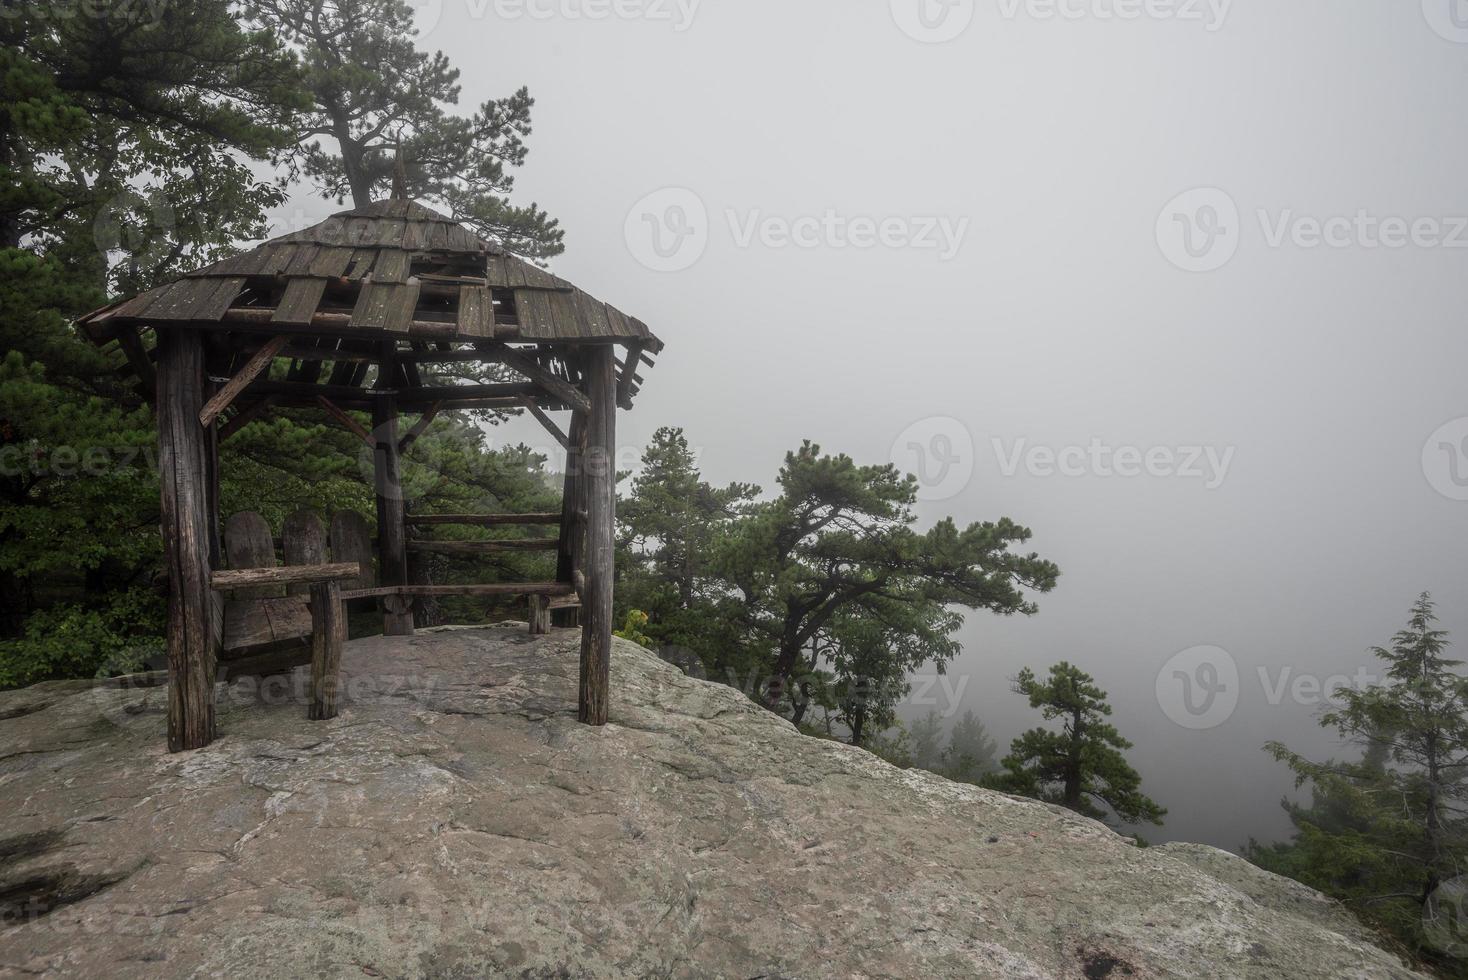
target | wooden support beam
x=410, y=368
x=328, y=636
x=447, y=356
x=475, y=548
x=488, y=520
x=227, y=394
x=188, y=523
x=419, y=427
x=426, y=395
x=349, y=423
x=599, y=469
x=629, y=375
x=494, y=589
x=522, y=364
x=392, y=553
x=245, y=416
x=547, y=422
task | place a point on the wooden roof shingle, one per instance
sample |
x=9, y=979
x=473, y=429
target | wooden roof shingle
x=392, y=267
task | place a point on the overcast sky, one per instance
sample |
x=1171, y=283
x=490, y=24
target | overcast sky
x=1025, y=249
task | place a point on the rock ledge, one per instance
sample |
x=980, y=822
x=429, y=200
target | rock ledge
x=455, y=821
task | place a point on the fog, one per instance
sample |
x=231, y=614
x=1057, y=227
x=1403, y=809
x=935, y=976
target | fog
x=1219, y=247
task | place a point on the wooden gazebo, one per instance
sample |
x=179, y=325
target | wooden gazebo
x=357, y=304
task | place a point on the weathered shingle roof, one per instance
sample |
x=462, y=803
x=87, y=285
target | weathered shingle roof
x=392, y=267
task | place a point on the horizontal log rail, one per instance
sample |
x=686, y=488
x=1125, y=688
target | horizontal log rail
x=244, y=578
x=483, y=547
x=488, y=520
x=495, y=589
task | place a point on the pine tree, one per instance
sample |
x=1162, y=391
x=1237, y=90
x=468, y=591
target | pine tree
x=670, y=526
x=925, y=738
x=125, y=137
x=1386, y=833
x=970, y=752
x=374, y=94
x=1081, y=765
x=838, y=545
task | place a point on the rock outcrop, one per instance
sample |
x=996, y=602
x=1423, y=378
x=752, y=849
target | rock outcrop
x=456, y=822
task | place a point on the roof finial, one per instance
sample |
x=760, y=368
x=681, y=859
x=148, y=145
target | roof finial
x=399, y=175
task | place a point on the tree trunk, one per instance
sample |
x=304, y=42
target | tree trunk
x=9, y=226
x=354, y=159
x=1072, y=793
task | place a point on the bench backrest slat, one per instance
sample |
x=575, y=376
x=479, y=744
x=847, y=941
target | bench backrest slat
x=351, y=540
x=247, y=544
x=303, y=542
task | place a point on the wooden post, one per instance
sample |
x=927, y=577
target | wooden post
x=539, y=615
x=599, y=480
x=186, y=475
x=328, y=634
x=568, y=557
x=392, y=553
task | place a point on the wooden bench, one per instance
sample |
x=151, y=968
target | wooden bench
x=542, y=597
x=280, y=616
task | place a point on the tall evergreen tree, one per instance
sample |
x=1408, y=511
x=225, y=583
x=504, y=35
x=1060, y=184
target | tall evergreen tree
x=970, y=754
x=925, y=741
x=1387, y=832
x=374, y=94
x=1081, y=767
x=124, y=137
x=670, y=525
